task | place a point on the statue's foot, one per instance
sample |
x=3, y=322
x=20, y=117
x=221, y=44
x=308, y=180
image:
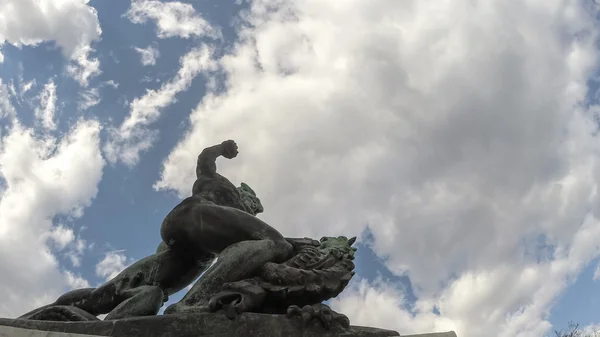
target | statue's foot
x=321, y=312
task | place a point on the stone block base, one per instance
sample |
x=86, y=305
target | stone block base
x=186, y=325
x=192, y=325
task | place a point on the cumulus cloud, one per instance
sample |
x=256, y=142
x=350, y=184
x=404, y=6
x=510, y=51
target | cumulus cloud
x=75, y=251
x=76, y=281
x=459, y=132
x=85, y=67
x=62, y=236
x=112, y=264
x=360, y=299
x=42, y=177
x=148, y=55
x=71, y=24
x=172, y=18
x=133, y=136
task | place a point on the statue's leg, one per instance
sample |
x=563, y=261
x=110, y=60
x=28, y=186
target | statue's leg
x=67, y=299
x=245, y=244
x=235, y=263
x=96, y=301
x=141, y=301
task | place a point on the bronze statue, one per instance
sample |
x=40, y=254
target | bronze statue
x=257, y=270
x=215, y=220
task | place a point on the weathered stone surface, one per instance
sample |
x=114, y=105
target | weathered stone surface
x=437, y=334
x=201, y=324
x=7, y=331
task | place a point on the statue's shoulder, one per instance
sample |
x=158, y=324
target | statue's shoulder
x=210, y=182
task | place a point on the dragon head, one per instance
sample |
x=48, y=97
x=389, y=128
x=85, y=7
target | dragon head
x=249, y=199
x=340, y=247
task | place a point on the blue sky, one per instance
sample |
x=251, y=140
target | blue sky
x=458, y=140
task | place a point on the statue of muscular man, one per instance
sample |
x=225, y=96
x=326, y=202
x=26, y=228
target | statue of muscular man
x=217, y=220
x=220, y=219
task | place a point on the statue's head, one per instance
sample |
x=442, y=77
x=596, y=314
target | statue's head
x=249, y=200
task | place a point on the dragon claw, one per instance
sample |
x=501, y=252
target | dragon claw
x=319, y=311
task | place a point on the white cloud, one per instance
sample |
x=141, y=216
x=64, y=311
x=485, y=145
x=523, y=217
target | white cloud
x=361, y=298
x=172, y=18
x=112, y=264
x=133, y=136
x=84, y=68
x=12, y=88
x=75, y=252
x=112, y=84
x=592, y=330
x=62, y=236
x=25, y=87
x=6, y=108
x=596, y=276
x=76, y=281
x=72, y=24
x=148, y=55
x=91, y=97
x=457, y=131
x=42, y=177
x=88, y=98
x=45, y=113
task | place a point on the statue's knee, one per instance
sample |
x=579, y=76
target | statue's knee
x=183, y=230
x=151, y=294
x=156, y=294
x=74, y=296
x=175, y=233
x=287, y=246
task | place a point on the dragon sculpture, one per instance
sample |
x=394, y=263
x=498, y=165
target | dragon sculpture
x=316, y=273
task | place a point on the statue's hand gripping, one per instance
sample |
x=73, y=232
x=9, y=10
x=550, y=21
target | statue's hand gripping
x=229, y=149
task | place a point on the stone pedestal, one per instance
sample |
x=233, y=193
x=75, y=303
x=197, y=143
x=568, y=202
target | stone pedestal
x=192, y=325
x=186, y=325
x=8, y=331
x=436, y=334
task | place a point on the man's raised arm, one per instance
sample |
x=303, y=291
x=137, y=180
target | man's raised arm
x=207, y=159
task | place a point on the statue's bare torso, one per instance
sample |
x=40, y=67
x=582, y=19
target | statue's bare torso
x=216, y=189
